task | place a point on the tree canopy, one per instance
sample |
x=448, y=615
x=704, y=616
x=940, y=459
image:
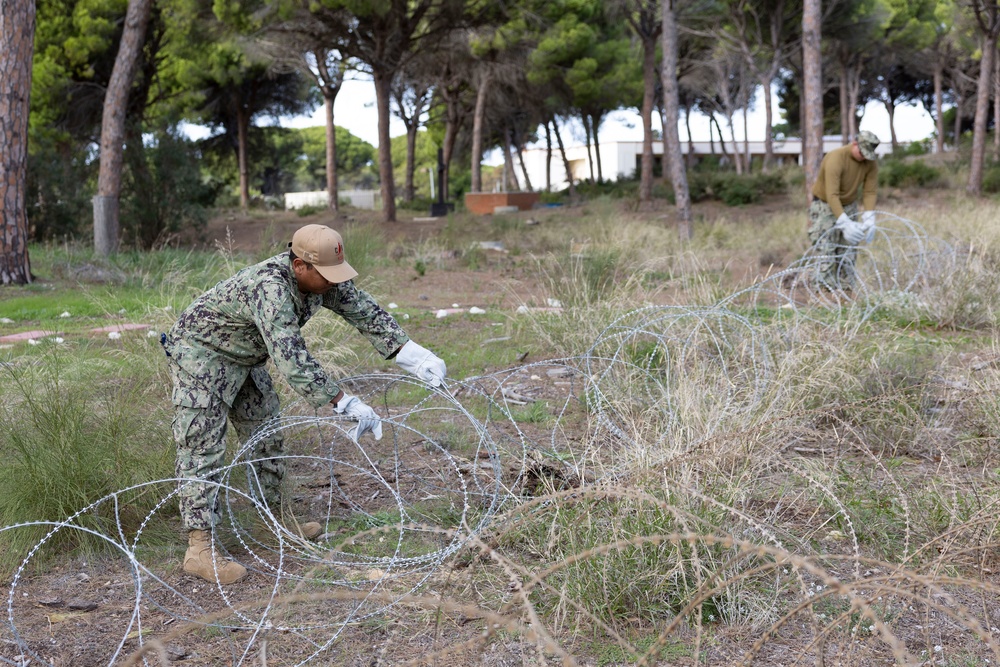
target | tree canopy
x=485, y=75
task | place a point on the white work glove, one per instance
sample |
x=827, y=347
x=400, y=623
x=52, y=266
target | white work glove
x=852, y=231
x=367, y=418
x=422, y=363
x=868, y=225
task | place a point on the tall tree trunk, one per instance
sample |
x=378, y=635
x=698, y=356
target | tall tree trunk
x=803, y=125
x=996, y=107
x=329, y=77
x=410, y=115
x=595, y=123
x=242, y=134
x=383, y=80
x=548, y=158
x=478, y=119
x=812, y=92
x=648, y=97
x=939, y=106
x=722, y=140
x=332, y=193
x=17, y=37
x=590, y=154
x=853, y=95
x=957, y=127
x=765, y=83
x=109, y=177
x=566, y=165
x=448, y=149
x=519, y=149
x=746, y=139
x=845, y=105
x=975, y=184
x=411, y=156
x=687, y=126
x=890, y=109
x=510, y=176
x=671, y=136
x=737, y=161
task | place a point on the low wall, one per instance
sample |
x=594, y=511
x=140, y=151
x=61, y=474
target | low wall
x=370, y=199
x=484, y=203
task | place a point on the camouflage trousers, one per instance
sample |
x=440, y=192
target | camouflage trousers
x=200, y=435
x=836, y=266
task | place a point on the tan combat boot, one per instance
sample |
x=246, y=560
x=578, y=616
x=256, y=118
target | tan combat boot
x=307, y=531
x=199, y=561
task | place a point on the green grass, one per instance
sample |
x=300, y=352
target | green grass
x=70, y=436
x=536, y=412
x=131, y=287
x=43, y=308
x=612, y=654
x=376, y=534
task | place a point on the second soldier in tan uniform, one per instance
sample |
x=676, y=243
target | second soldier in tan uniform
x=835, y=229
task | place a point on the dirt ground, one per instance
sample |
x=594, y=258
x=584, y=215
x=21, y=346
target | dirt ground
x=500, y=280
x=89, y=612
x=434, y=290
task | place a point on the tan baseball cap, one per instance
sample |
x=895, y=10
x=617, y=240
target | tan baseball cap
x=867, y=143
x=323, y=248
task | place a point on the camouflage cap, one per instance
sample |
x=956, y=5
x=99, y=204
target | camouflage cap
x=867, y=142
x=323, y=248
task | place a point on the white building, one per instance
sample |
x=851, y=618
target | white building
x=622, y=159
x=370, y=199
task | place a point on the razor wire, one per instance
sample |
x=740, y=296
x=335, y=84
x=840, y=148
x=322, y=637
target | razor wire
x=458, y=455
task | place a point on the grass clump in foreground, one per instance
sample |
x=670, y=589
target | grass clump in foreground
x=68, y=438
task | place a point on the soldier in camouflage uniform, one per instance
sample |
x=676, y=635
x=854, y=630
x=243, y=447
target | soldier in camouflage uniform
x=834, y=228
x=216, y=353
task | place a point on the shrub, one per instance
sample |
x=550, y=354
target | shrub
x=771, y=183
x=921, y=147
x=60, y=186
x=908, y=174
x=615, y=189
x=417, y=204
x=700, y=186
x=163, y=191
x=733, y=189
x=309, y=209
x=737, y=192
x=991, y=179
x=559, y=197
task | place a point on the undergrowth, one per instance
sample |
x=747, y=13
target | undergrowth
x=716, y=482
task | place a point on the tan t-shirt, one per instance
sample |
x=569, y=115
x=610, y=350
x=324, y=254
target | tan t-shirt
x=840, y=176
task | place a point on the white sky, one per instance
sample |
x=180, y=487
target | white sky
x=355, y=111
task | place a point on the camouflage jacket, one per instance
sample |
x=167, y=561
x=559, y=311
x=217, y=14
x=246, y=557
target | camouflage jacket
x=258, y=314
